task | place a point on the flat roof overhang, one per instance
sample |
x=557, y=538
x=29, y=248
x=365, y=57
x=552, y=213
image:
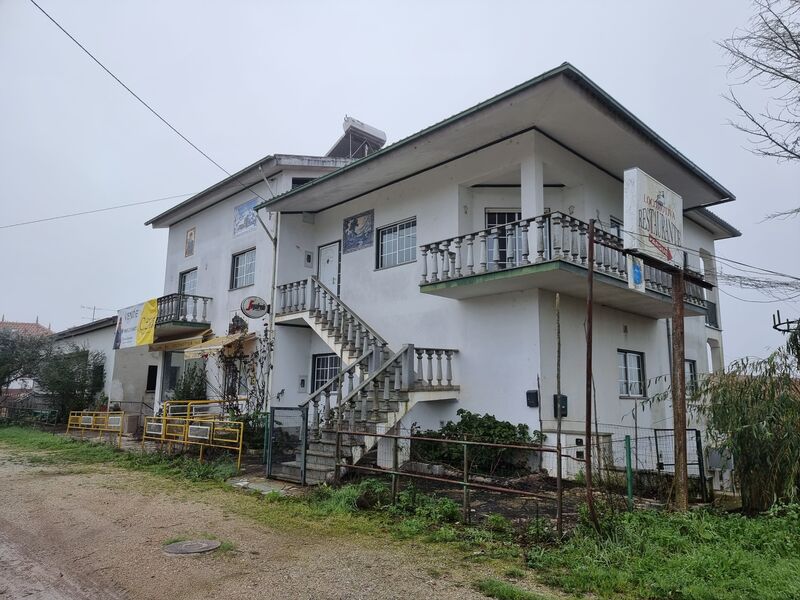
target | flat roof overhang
x=563, y=105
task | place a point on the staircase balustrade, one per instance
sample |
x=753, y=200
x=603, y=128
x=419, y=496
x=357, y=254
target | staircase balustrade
x=555, y=236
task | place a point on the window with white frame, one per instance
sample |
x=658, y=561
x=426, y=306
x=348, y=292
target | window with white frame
x=631, y=373
x=499, y=219
x=690, y=374
x=397, y=244
x=324, y=368
x=243, y=269
x=187, y=282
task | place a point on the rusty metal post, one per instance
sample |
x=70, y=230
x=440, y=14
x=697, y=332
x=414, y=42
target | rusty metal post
x=337, y=470
x=679, y=393
x=559, y=482
x=589, y=314
x=395, y=465
x=465, y=507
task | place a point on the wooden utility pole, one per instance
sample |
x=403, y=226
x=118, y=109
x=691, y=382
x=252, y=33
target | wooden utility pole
x=679, y=393
x=589, y=314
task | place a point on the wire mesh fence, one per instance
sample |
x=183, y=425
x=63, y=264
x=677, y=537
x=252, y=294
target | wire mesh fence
x=521, y=481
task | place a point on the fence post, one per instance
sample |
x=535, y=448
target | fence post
x=337, y=472
x=629, y=471
x=395, y=465
x=465, y=507
x=701, y=464
x=266, y=440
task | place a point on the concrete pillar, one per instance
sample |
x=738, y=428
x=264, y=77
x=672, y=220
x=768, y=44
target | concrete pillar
x=532, y=180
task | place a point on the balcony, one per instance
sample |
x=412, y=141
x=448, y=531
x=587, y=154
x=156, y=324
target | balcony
x=548, y=252
x=180, y=315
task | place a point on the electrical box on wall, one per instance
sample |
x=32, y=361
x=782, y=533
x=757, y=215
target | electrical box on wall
x=559, y=403
x=532, y=398
x=308, y=261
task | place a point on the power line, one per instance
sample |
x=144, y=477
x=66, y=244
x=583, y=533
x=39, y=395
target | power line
x=130, y=91
x=143, y=103
x=90, y=212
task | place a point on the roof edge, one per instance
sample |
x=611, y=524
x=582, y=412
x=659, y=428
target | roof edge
x=575, y=75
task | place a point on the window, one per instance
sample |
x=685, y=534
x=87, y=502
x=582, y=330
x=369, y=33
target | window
x=631, y=373
x=235, y=375
x=298, y=181
x=690, y=373
x=325, y=367
x=152, y=376
x=397, y=244
x=243, y=269
x=187, y=282
x=500, y=218
x=615, y=226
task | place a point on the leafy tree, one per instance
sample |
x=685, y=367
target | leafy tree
x=753, y=411
x=20, y=356
x=72, y=376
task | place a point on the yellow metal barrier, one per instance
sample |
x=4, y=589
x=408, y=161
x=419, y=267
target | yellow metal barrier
x=99, y=421
x=202, y=431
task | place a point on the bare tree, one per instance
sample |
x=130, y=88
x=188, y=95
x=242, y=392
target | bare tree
x=766, y=52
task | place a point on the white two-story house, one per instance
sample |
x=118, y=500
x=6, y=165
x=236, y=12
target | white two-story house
x=435, y=263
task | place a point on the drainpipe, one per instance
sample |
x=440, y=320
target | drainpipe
x=273, y=286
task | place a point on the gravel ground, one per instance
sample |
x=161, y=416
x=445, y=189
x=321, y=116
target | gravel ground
x=94, y=532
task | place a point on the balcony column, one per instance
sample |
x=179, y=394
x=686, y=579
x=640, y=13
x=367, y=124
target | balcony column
x=484, y=259
x=434, y=263
x=531, y=181
x=470, y=255
x=205, y=311
x=495, y=249
x=510, y=247
x=445, y=252
x=423, y=250
x=540, y=225
x=525, y=259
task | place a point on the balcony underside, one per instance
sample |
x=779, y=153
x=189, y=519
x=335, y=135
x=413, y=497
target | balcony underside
x=178, y=329
x=566, y=278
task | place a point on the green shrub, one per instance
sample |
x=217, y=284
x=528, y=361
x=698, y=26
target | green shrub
x=474, y=427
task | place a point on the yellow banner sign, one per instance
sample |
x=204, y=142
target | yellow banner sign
x=136, y=325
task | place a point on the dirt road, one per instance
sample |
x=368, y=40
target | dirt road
x=91, y=533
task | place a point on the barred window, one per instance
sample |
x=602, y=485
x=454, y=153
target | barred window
x=397, y=244
x=326, y=367
x=243, y=269
x=631, y=373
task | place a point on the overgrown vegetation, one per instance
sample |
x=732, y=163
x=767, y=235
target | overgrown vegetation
x=59, y=449
x=73, y=377
x=752, y=410
x=191, y=385
x=482, y=459
x=699, y=555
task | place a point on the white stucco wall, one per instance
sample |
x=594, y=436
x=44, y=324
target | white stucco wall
x=505, y=341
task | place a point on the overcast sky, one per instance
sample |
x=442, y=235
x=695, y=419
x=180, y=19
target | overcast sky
x=247, y=79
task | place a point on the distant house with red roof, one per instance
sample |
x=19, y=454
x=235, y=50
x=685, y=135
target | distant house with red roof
x=24, y=328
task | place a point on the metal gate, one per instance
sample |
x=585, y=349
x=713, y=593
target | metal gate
x=286, y=451
x=665, y=452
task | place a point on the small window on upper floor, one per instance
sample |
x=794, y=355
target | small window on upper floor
x=397, y=244
x=298, y=181
x=615, y=227
x=243, y=269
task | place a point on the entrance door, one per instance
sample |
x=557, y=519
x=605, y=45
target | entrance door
x=328, y=266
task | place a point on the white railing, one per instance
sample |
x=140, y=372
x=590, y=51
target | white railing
x=550, y=237
x=182, y=307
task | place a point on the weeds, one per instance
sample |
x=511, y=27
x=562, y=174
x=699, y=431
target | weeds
x=494, y=588
x=60, y=449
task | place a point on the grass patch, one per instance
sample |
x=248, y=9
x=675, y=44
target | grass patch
x=55, y=449
x=700, y=555
x=494, y=588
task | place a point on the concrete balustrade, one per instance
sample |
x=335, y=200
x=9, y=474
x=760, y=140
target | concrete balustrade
x=551, y=237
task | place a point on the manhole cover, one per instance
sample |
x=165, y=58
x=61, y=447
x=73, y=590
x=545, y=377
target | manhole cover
x=192, y=547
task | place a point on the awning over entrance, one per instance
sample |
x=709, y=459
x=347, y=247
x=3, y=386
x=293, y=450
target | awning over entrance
x=215, y=344
x=179, y=344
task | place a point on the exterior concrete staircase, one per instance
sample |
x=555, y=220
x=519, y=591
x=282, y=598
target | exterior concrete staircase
x=374, y=389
